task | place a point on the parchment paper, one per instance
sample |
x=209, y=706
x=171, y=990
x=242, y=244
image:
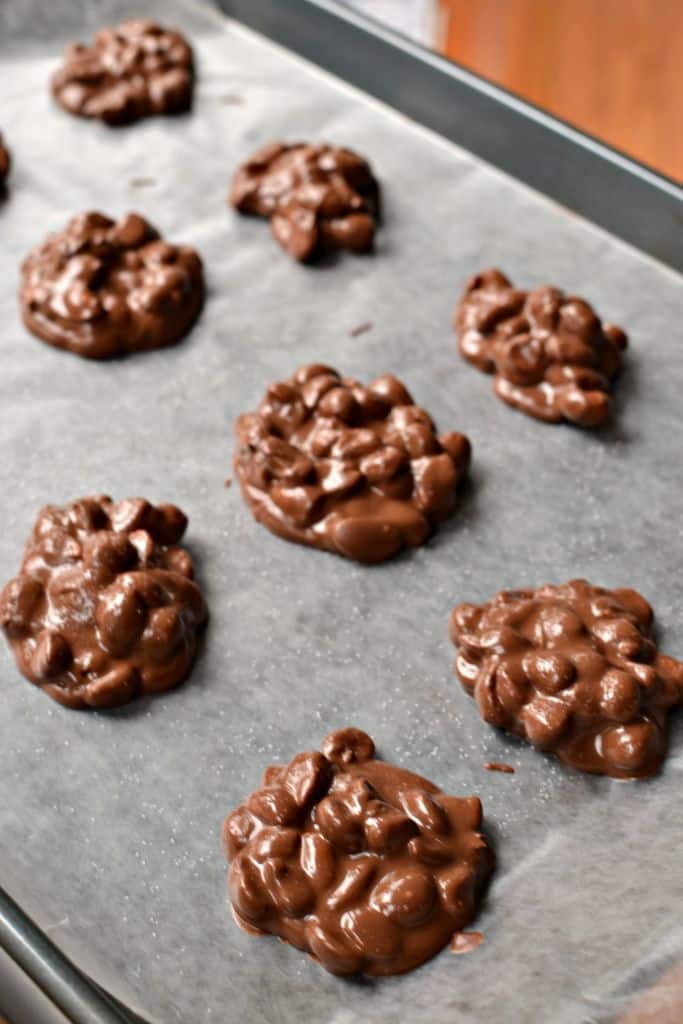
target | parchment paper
x=109, y=823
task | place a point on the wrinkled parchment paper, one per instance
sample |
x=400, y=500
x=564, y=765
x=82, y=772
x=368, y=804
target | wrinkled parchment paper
x=109, y=823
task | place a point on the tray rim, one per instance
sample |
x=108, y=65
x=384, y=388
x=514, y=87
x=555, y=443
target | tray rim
x=52, y=973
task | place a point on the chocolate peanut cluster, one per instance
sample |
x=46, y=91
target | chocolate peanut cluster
x=572, y=669
x=317, y=197
x=132, y=71
x=103, y=288
x=357, y=470
x=104, y=608
x=551, y=355
x=5, y=163
x=367, y=867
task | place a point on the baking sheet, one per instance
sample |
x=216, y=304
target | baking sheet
x=109, y=823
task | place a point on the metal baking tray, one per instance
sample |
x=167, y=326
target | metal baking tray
x=113, y=880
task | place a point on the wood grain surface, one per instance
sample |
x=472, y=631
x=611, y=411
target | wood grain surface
x=611, y=67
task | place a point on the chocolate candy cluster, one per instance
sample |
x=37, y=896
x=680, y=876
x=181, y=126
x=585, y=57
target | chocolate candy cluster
x=5, y=164
x=102, y=288
x=357, y=470
x=573, y=669
x=129, y=72
x=104, y=608
x=317, y=197
x=367, y=867
x=551, y=355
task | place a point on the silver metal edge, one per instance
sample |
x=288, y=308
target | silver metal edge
x=69, y=990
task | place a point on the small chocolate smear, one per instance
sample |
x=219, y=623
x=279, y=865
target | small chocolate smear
x=142, y=182
x=317, y=197
x=357, y=470
x=361, y=329
x=104, y=608
x=5, y=164
x=551, y=355
x=232, y=100
x=227, y=482
x=102, y=288
x=498, y=766
x=365, y=866
x=573, y=670
x=132, y=71
x=466, y=942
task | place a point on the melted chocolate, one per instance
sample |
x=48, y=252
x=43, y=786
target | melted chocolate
x=551, y=355
x=316, y=197
x=356, y=470
x=102, y=288
x=104, y=608
x=355, y=332
x=132, y=71
x=367, y=867
x=5, y=164
x=573, y=670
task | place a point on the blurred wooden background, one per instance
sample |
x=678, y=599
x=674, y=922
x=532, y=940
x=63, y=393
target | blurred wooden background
x=611, y=67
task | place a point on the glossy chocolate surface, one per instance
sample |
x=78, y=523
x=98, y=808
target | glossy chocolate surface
x=130, y=71
x=365, y=866
x=357, y=470
x=5, y=163
x=551, y=355
x=104, y=288
x=572, y=669
x=317, y=197
x=104, y=608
